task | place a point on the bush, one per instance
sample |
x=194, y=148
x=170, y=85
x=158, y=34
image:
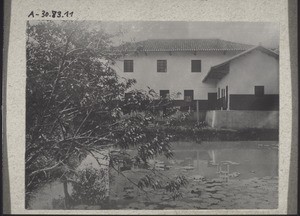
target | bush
x=90, y=187
x=58, y=203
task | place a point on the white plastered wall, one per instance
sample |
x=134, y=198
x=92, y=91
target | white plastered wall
x=253, y=69
x=178, y=76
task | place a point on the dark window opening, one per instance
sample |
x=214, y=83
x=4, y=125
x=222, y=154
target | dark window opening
x=161, y=65
x=188, y=95
x=164, y=93
x=218, y=95
x=226, y=92
x=212, y=100
x=226, y=98
x=259, y=90
x=196, y=65
x=128, y=65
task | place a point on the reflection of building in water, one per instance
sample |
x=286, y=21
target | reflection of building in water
x=223, y=171
x=212, y=155
x=263, y=162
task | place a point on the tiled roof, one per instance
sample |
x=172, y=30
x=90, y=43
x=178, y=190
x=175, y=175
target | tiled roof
x=220, y=70
x=157, y=45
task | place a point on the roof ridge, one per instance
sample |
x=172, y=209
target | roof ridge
x=191, y=39
x=185, y=45
x=160, y=39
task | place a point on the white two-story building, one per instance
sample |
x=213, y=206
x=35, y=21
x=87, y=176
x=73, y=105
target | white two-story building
x=216, y=74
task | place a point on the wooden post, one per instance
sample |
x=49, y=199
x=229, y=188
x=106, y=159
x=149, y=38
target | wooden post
x=67, y=196
x=198, y=111
x=198, y=165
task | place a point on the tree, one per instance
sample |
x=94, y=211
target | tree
x=75, y=105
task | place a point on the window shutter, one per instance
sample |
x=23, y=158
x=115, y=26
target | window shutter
x=196, y=65
x=188, y=95
x=128, y=65
x=259, y=90
x=164, y=93
x=161, y=65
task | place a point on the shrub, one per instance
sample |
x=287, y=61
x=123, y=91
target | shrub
x=90, y=187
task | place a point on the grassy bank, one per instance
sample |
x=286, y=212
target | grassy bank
x=204, y=133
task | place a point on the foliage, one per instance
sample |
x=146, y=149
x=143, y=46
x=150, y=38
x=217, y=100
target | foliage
x=58, y=203
x=75, y=103
x=90, y=187
x=171, y=185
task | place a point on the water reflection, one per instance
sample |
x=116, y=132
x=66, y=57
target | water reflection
x=249, y=168
x=239, y=162
x=228, y=175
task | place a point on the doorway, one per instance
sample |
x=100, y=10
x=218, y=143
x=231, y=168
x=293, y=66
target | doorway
x=212, y=101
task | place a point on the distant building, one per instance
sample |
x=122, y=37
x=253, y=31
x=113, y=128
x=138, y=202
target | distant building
x=219, y=74
x=247, y=81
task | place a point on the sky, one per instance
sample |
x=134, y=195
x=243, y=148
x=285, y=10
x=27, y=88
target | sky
x=266, y=34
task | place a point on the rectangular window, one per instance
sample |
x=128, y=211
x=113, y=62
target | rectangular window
x=188, y=95
x=196, y=65
x=128, y=65
x=164, y=93
x=161, y=65
x=259, y=90
x=218, y=96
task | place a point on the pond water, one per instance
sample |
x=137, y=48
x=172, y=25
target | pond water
x=253, y=159
x=248, y=178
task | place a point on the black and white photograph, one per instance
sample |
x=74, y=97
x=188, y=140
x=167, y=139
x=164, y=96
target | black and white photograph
x=151, y=115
